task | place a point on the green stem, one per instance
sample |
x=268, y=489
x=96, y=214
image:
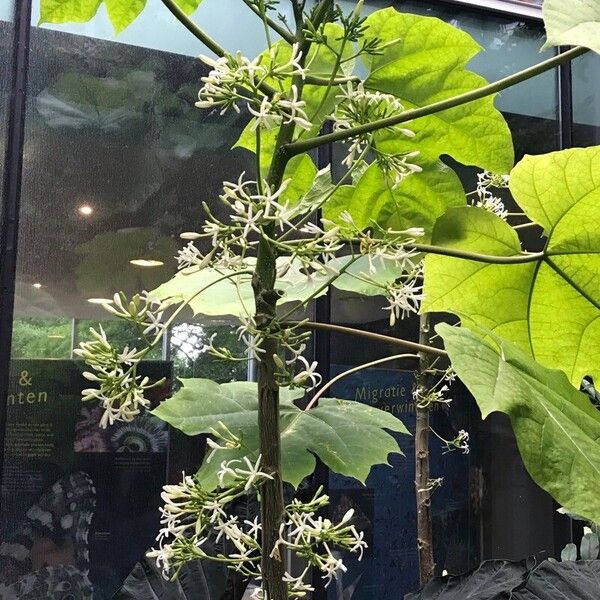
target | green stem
x=362, y=367
x=492, y=259
x=303, y=146
x=323, y=81
x=199, y=33
x=525, y=225
x=376, y=337
x=276, y=27
x=334, y=72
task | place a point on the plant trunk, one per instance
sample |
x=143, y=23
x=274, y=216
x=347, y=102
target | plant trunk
x=422, y=475
x=272, y=505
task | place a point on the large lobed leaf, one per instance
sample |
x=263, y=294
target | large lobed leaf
x=426, y=64
x=120, y=12
x=549, y=307
x=572, y=23
x=556, y=426
x=348, y=437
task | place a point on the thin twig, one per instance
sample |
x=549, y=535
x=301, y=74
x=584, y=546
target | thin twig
x=362, y=367
x=379, y=337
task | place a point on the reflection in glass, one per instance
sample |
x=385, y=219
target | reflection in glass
x=117, y=161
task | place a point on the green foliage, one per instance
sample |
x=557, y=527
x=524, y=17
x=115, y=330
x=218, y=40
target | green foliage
x=120, y=12
x=417, y=202
x=41, y=338
x=347, y=436
x=425, y=63
x=235, y=296
x=572, y=23
x=556, y=426
x=549, y=307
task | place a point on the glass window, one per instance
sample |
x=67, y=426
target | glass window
x=117, y=161
x=586, y=100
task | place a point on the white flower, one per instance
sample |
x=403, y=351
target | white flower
x=253, y=346
x=251, y=476
x=485, y=199
x=358, y=106
x=289, y=68
x=331, y=568
x=265, y=115
x=293, y=110
x=308, y=375
x=492, y=204
x=403, y=300
x=252, y=473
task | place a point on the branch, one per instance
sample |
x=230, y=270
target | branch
x=410, y=115
x=492, y=259
x=201, y=35
x=180, y=15
x=276, y=27
x=378, y=337
x=362, y=367
x=315, y=80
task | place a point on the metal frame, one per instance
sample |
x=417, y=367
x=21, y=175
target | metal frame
x=507, y=7
x=11, y=196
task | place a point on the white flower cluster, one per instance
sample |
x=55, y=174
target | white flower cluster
x=191, y=516
x=424, y=398
x=358, y=106
x=252, y=208
x=460, y=442
x=404, y=297
x=280, y=109
x=485, y=198
x=233, y=76
x=303, y=531
x=120, y=390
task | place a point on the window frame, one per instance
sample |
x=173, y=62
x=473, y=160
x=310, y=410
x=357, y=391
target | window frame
x=510, y=7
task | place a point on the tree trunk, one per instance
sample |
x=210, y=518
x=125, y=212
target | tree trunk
x=272, y=504
x=423, y=494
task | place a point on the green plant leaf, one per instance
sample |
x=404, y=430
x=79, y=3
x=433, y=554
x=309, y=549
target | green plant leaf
x=348, y=437
x=417, y=202
x=230, y=298
x=550, y=307
x=189, y=6
x=572, y=23
x=120, y=12
x=425, y=63
x=65, y=11
x=556, y=426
